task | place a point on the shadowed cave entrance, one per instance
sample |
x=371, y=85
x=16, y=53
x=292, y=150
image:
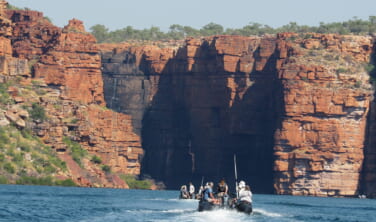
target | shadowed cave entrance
x=193, y=127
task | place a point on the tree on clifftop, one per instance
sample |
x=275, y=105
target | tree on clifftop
x=100, y=32
x=212, y=29
x=353, y=26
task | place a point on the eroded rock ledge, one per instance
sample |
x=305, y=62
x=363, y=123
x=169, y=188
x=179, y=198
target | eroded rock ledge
x=292, y=106
x=64, y=66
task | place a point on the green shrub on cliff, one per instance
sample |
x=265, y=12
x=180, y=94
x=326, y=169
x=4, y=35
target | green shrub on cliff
x=133, y=183
x=65, y=183
x=176, y=31
x=106, y=168
x=57, y=162
x=4, y=138
x=48, y=168
x=12, y=7
x=37, y=112
x=3, y=180
x=96, y=159
x=75, y=149
x=9, y=168
x=342, y=70
x=5, y=98
x=22, y=154
x=45, y=181
x=18, y=157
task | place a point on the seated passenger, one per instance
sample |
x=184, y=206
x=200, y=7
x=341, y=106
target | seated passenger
x=208, y=194
x=183, y=192
x=191, y=191
x=245, y=194
x=222, y=192
x=222, y=188
x=200, y=192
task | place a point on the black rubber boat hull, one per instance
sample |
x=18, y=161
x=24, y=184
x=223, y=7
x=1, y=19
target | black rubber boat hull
x=244, y=207
x=206, y=206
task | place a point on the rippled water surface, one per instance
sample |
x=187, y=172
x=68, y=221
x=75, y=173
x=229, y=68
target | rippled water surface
x=38, y=203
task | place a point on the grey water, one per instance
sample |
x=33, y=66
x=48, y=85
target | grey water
x=43, y=203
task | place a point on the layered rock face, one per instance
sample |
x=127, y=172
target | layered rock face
x=130, y=80
x=74, y=63
x=290, y=106
x=194, y=99
x=66, y=69
x=293, y=108
x=319, y=146
x=100, y=131
x=369, y=172
x=32, y=34
x=66, y=57
x=9, y=66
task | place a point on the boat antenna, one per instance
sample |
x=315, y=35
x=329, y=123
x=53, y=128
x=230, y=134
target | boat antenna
x=236, y=177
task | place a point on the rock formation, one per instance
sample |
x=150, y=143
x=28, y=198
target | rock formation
x=293, y=108
x=319, y=146
x=226, y=95
x=193, y=102
x=66, y=76
x=369, y=173
x=9, y=66
x=74, y=63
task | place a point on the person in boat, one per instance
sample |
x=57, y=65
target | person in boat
x=245, y=193
x=200, y=191
x=222, y=191
x=222, y=188
x=208, y=195
x=191, y=190
x=245, y=198
x=183, y=192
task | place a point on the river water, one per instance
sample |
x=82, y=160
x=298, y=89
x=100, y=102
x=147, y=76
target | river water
x=43, y=203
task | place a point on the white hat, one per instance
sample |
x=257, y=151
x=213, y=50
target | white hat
x=242, y=184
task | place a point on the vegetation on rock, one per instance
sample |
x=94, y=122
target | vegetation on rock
x=3, y=180
x=134, y=183
x=45, y=181
x=22, y=154
x=352, y=26
x=37, y=112
x=96, y=159
x=106, y=168
x=75, y=149
x=12, y=7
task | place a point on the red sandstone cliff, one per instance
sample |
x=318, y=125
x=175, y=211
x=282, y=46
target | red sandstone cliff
x=193, y=101
x=227, y=94
x=292, y=107
x=319, y=147
x=65, y=64
x=73, y=62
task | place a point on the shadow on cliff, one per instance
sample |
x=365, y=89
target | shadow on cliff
x=254, y=117
x=165, y=130
x=367, y=182
x=193, y=127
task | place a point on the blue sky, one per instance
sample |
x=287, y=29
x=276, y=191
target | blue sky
x=116, y=14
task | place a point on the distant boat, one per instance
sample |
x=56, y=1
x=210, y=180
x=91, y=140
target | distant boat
x=230, y=204
x=227, y=202
x=362, y=196
x=184, y=193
